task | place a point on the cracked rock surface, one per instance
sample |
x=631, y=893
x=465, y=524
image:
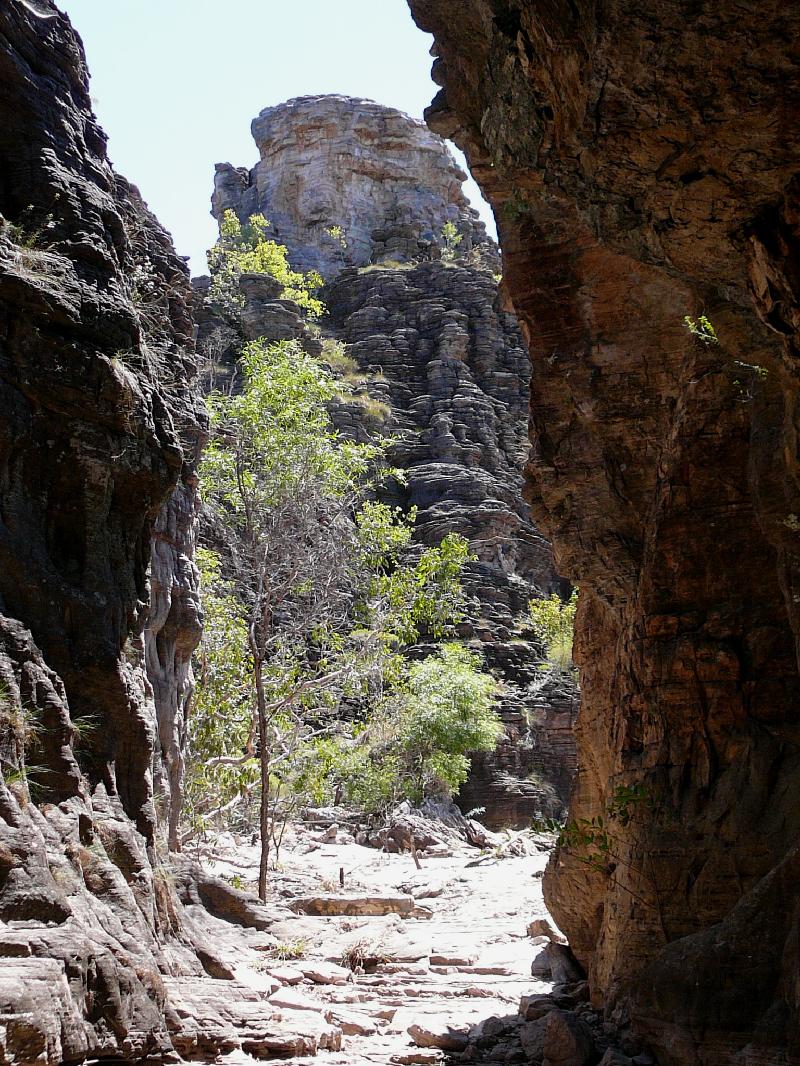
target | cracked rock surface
x=642, y=162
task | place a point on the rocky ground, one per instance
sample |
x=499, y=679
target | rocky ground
x=371, y=959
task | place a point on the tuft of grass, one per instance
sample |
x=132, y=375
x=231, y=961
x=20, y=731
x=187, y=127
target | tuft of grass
x=334, y=353
x=84, y=727
x=364, y=955
x=376, y=409
x=20, y=776
x=292, y=949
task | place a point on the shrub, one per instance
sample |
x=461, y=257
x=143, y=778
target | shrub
x=553, y=621
x=446, y=710
x=451, y=239
x=247, y=250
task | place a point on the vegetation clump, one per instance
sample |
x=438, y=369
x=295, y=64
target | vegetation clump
x=246, y=249
x=553, y=621
x=451, y=239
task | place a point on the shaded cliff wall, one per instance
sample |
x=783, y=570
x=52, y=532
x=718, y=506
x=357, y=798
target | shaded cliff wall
x=98, y=439
x=642, y=165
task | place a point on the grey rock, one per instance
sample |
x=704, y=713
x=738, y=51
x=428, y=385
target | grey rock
x=532, y=1036
x=326, y=161
x=564, y=967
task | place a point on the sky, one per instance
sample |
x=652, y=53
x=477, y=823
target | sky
x=176, y=83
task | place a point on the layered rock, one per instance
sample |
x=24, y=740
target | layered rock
x=97, y=446
x=342, y=164
x=440, y=366
x=643, y=169
x=443, y=369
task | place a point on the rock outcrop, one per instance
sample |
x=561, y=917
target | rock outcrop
x=98, y=440
x=382, y=178
x=440, y=366
x=643, y=168
x=446, y=368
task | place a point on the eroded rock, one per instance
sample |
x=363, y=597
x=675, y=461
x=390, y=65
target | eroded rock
x=638, y=177
x=352, y=905
x=382, y=178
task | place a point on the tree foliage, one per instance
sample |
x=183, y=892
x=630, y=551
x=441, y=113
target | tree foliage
x=321, y=594
x=414, y=742
x=246, y=249
x=553, y=621
x=221, y=727
x=445, y=710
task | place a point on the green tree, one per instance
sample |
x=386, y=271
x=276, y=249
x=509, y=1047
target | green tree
x=246, y=249
x=446, y=710
x=324, y=599
x=553, y=621
x=417, y=740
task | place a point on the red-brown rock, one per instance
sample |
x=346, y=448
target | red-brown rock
x=641, y=160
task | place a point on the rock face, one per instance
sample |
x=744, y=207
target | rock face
x=334, y=161
x=448, y=366
x=98, y=439
x=643, y=168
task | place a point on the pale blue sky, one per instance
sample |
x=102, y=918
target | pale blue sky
x=177, y=82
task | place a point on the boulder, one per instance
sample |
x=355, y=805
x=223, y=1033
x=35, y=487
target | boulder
x=445, y=1039
x=567, y=1040
x=352, y=905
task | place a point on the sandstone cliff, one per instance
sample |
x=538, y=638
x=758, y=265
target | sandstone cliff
x=437, y=349
x=384, y=179
x=642, y=162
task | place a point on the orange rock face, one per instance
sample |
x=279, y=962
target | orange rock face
x=642, y=169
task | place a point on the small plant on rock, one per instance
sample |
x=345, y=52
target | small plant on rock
x=451, y=239
x=553, y=621
x=291, y=949
x=702, y=329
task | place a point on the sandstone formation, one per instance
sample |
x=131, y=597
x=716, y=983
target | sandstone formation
x=643, y=168
x=448, y=364
x=98, y=440
x=442, y=367
x=383, y=178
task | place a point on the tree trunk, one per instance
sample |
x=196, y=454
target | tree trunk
x=263, y=745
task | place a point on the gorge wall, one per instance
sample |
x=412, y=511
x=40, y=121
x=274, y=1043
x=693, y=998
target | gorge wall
x=442, y=368
x=642, y=162
x=98, y=439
